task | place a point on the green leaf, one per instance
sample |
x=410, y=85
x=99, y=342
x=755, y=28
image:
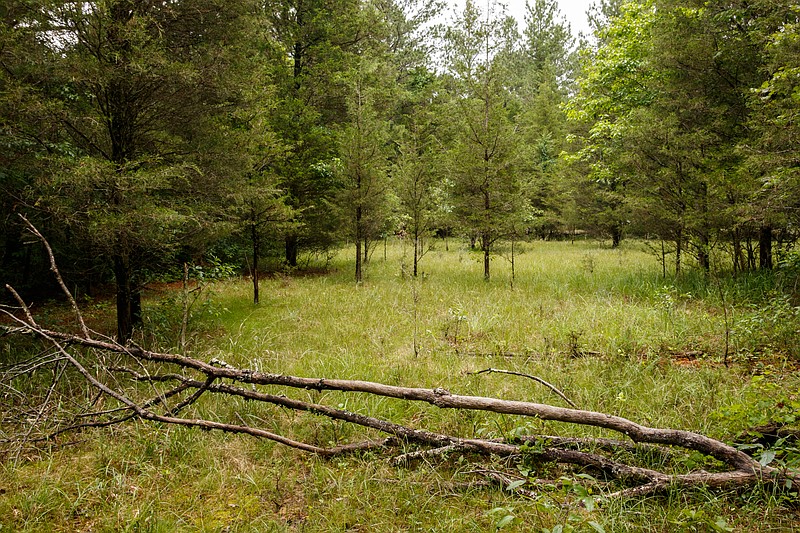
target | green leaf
x=588, y=502
x=506, y=520
x=767, y=457
x=597, y=527
x=515, y=484
x=721, y=525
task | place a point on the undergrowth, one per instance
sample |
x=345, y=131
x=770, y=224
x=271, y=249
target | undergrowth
x=715, y=355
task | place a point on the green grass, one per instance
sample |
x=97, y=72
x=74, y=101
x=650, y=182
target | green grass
x=600, y=324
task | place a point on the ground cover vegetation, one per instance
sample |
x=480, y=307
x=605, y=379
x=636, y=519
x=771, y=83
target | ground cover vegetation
x=164, y=146
x=608, y=331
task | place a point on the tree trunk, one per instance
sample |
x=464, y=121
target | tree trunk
x=616, y=236
x=290, y=245
x=703, y=255
x=125, y=317
x=765, y=248
x=678, y=249
x=513, y=259
x=751, y=254
x=416, y=253
x=359, y=274
x=256, y=252
x=485, y=242
x=738, y=257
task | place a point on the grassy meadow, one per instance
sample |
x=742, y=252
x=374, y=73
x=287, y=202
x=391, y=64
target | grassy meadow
x=712, y=355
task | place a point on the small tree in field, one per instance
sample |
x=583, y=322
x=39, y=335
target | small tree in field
x=418, y=168
x=416, y=181
x=363, y=147
x=484, y=157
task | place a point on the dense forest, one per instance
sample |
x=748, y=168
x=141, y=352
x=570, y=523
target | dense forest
x=140, y=134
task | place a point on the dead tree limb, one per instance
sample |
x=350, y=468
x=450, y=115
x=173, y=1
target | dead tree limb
x=534, y=378
x=442, y=398
x=744, y=469
x=57, y=274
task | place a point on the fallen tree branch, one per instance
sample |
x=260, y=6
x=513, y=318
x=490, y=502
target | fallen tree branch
x=445, y=400
x=745, y=469
x=57, y=274
x=113, y=421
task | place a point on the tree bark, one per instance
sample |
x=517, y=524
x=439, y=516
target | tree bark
x=359, y=273
x=256, y=253
x=124, y=297
x=765, y=248
x=486, y=255
x=485, y=236
x=703, y=257
x=416, y=252
x=291, y=247
x=616, y=236
x=738, y=257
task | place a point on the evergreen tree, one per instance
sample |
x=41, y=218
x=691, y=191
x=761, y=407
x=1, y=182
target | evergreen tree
x=485, y=154
x=418, y=164
x=319, y=38
x=134, y=92
x=545, y=71
x=364, y=140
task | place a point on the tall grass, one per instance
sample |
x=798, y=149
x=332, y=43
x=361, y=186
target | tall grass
x=601, y=324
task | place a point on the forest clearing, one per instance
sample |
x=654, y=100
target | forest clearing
x=599, y=324
x=399, y=265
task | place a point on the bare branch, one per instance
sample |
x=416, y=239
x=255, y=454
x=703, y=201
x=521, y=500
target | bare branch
x=534, y=378
x=23, y=306
x=444, y=399
x=114, y=421
x=57, y=274
x=57, y=373
x=193, y=398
